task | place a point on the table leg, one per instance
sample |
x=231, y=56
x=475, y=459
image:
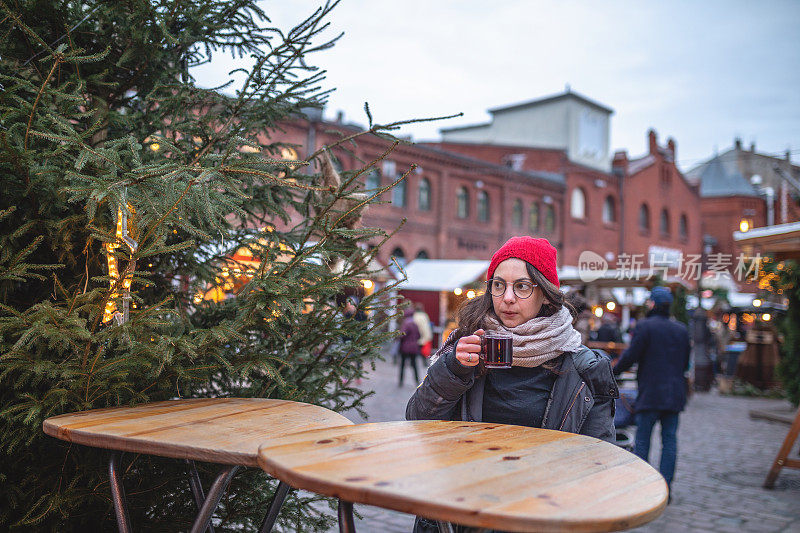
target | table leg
x=275, y=507
x=197, y=489
x=346, y=524
x=445, y=527
x=212, y=500
x=118, y=494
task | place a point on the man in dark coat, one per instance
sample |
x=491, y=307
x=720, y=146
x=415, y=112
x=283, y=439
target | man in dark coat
x=660, y=345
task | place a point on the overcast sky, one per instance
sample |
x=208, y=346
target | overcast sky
x=703, y=72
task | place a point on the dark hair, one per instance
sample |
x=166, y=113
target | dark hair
x=660, y=309
x=471, y=316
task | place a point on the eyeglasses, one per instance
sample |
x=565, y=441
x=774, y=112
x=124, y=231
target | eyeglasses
x=522, y=288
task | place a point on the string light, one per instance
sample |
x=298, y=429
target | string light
x=121, y=235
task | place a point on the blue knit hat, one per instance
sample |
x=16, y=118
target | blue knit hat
x=661, y=295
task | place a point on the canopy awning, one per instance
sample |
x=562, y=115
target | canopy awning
x=442, y=274
x=640, y=277
x=783, y=240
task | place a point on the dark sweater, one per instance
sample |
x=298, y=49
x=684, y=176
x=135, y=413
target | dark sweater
x=517, y=395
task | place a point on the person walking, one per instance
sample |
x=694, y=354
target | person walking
x=554, y=382
x=409, y=344
x=702, y=349
x=423, y=322
x=660, y=345
x=608, y=330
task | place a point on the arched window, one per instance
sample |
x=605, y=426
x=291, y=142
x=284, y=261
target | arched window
x=399, y=194
x=422, y=254
x=549, y=219
x=577, y=205
x=483, y=206
x=683, y=227
x=373, y=179
x=609, y=210
x=664, y=223
x=533, y=219
x=516, y=213
x=399, y=255
x=424, y=194
x=644, y=218
x=462, y=203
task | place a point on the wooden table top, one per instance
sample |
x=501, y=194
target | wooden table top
x=216, y=430
x=476, y=474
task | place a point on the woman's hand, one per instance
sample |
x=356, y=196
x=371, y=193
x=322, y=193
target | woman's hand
x=468, y=349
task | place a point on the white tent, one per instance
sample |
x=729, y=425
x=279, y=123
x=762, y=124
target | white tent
x=442, y=274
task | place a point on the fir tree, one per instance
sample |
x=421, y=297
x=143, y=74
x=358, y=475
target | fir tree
x=783, y=279
x=126, y=189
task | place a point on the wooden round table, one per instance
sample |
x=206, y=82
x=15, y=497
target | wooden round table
x=226, y=431
x=476, y=474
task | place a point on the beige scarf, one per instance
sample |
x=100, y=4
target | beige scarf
x=540, y=339
x=536, y=341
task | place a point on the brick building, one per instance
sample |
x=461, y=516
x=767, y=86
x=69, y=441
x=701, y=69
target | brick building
x=742, y=189
x=660, y=213
x=482, y=184
x=455, y=206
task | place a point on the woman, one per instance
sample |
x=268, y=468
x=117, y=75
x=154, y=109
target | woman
x=554, y=382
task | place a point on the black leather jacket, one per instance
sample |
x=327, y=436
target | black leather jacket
x=581, y=401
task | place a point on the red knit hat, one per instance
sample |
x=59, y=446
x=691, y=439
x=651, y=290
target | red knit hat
x=538, y=252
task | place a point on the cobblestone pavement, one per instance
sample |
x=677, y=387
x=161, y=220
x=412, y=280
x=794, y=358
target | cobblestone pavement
x=723, y=457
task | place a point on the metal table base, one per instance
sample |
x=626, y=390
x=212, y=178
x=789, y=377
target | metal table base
x=206, y=504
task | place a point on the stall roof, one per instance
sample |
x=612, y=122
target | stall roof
x=780, y=239
x=571, y=275
x=442, y=274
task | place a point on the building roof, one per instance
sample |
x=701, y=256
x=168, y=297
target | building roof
x=720, y=176
x=780, y=239
x=532, y=103
x=550, y=99
x=442, y=274
x=553, y=177
x=637, y=165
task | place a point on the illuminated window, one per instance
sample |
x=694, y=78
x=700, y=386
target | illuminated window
x=483, y=206
x=462, y=203
x=424, y=194
x=549, y=219
x=533, y=219
x=516, y=213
